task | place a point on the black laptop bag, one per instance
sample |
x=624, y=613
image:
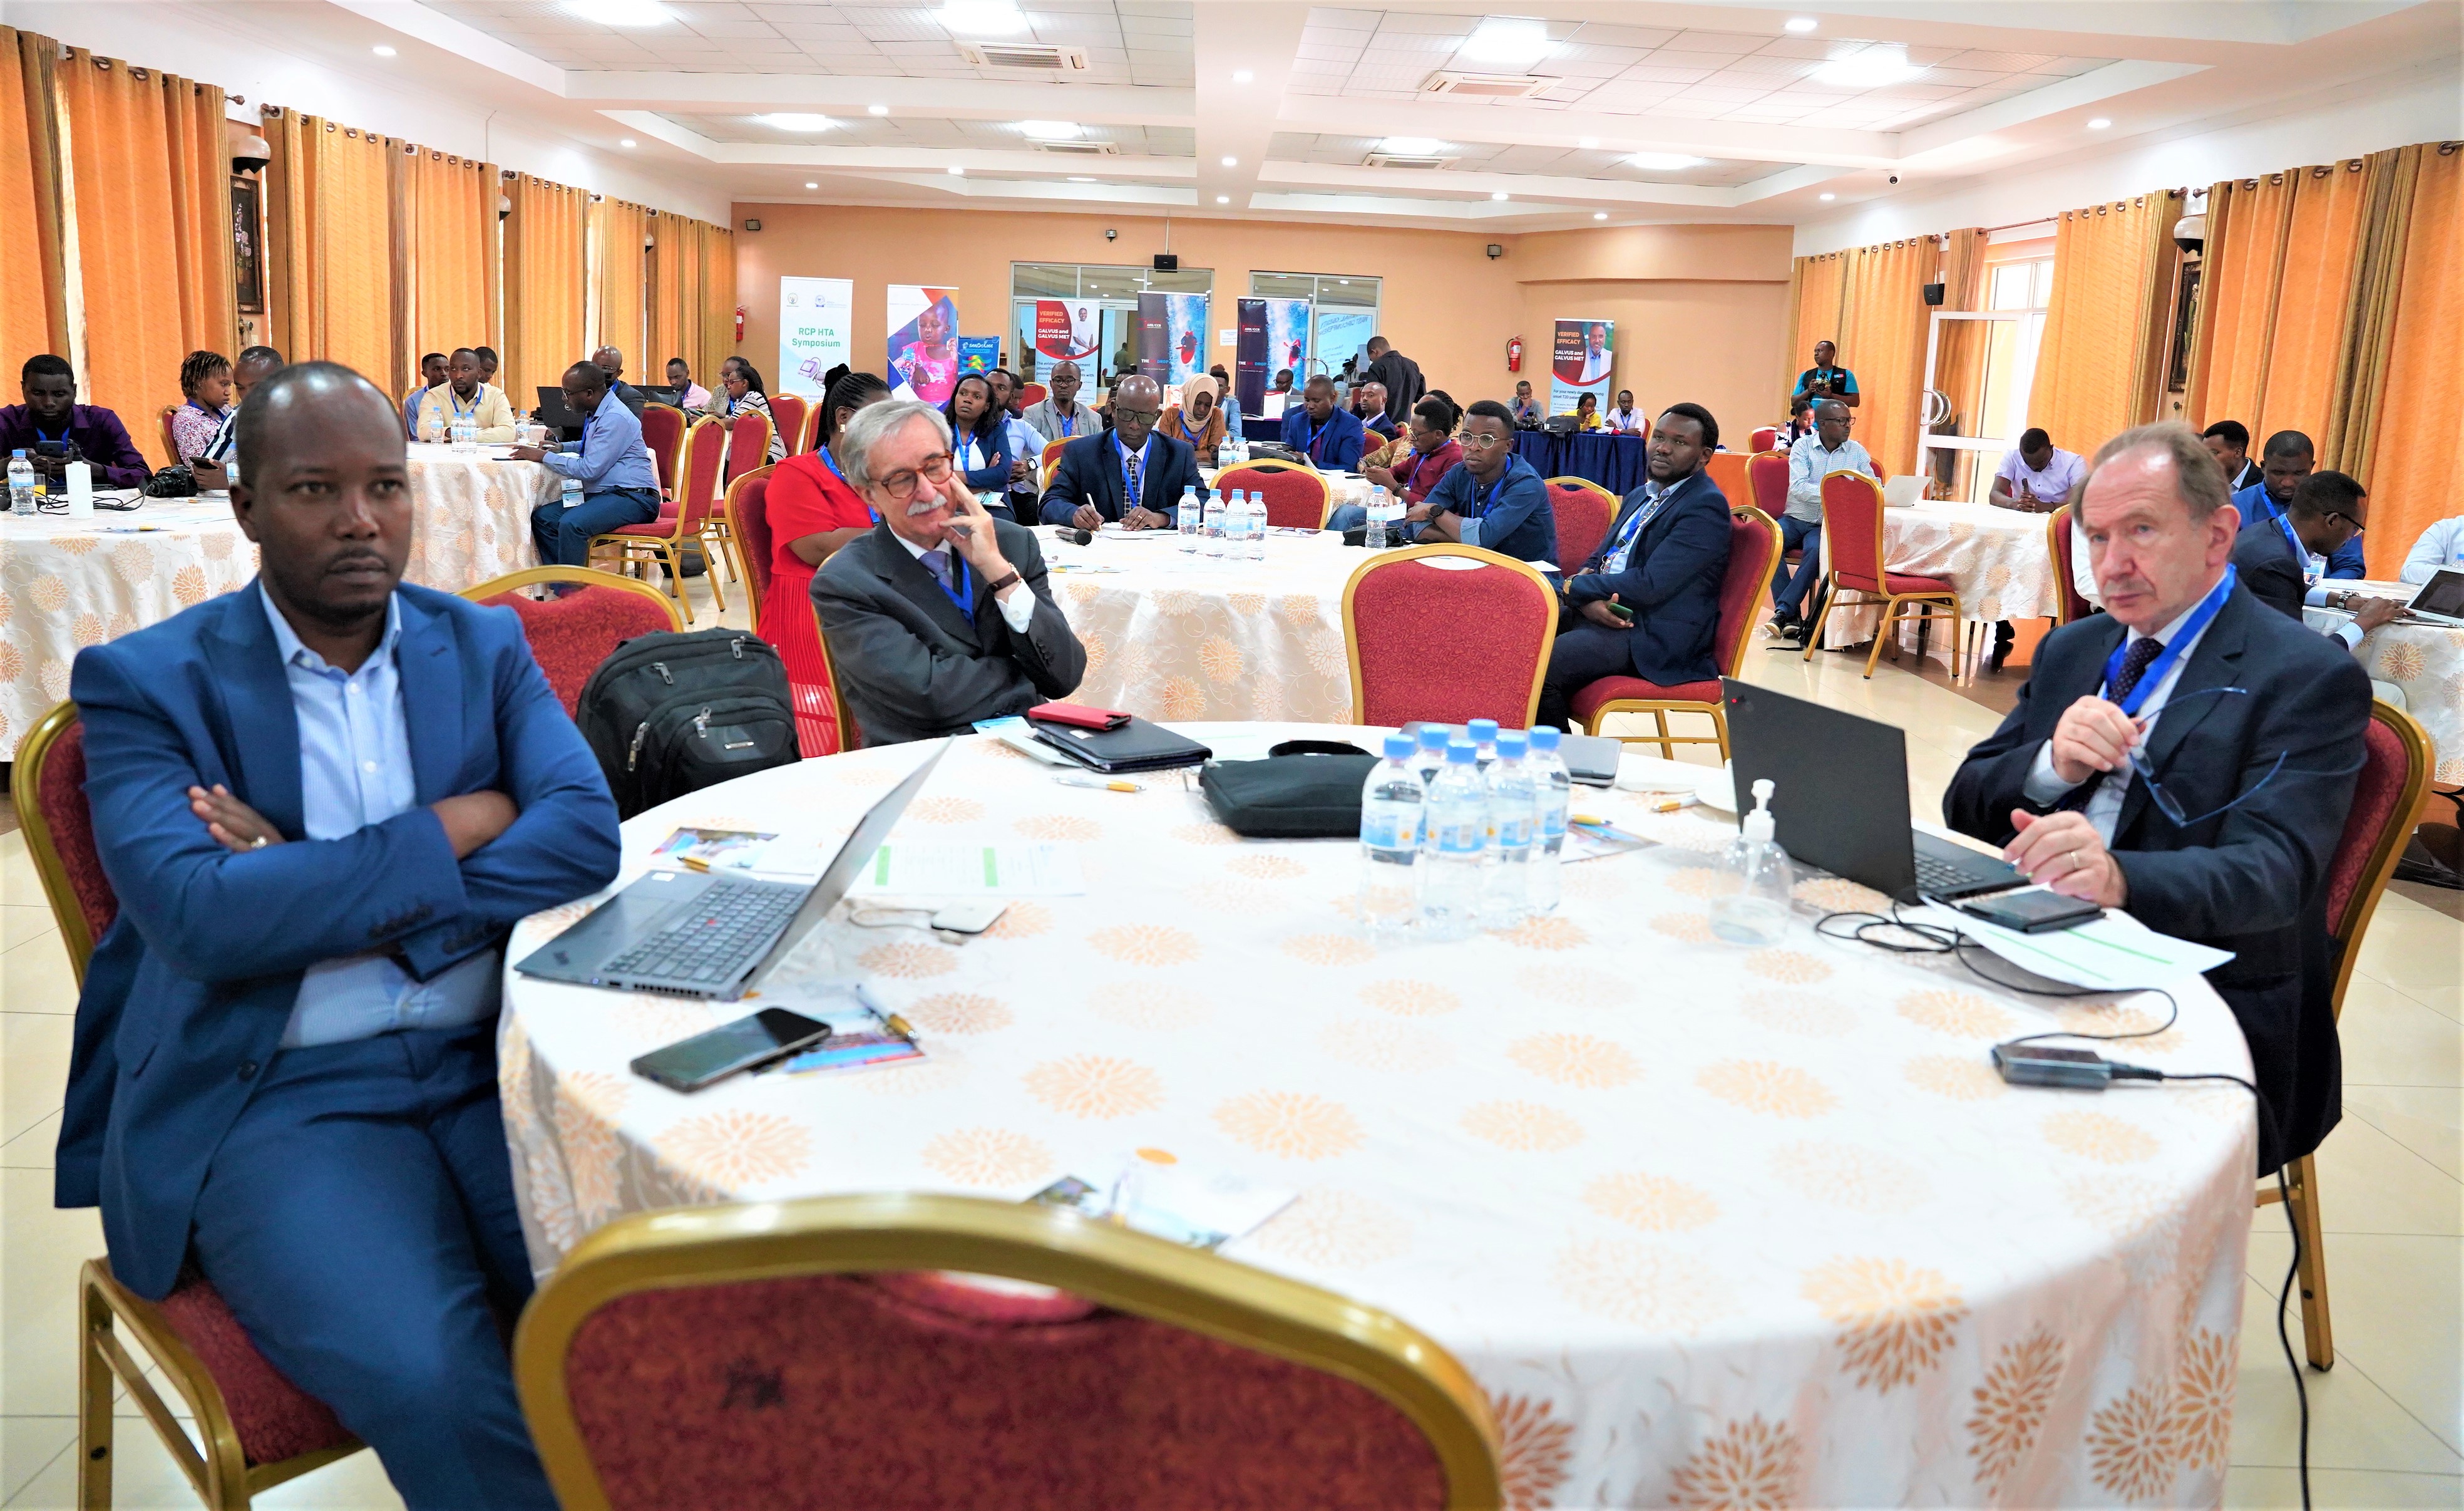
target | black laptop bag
x=671, y=713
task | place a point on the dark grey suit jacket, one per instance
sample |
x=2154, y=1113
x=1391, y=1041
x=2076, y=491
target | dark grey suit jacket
x=912, y=666
x=2264, y=560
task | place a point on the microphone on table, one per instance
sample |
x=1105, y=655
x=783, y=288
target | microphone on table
x=1077, y=537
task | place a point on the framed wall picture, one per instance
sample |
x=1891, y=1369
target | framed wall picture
x=248, y=243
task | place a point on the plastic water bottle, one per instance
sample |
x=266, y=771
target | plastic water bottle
x=1390, y=814
x=1458, y=841
x=1552, y=792
x=1433, y=751
x=1376, y=536
x=21, y=484
x=1218, y=508
x=1191, y=517
x=1752, y=905
x=1253, y=533
x=465, y=435
x=1483, y=739
x=1506, y=883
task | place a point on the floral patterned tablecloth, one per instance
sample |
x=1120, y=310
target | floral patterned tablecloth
x=1996, y=558
x=67, y=584
x=2425, y=661
x=1710, y=1226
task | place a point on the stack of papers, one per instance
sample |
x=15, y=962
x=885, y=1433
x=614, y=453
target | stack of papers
x=2114, y=953
x=1151, y=1190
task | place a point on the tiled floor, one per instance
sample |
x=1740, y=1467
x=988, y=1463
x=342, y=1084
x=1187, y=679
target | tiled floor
x=2388, y=1423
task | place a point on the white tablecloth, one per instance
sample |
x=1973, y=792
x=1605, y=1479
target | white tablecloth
x=1996, y=558
x=474, y=515
x=1710, y=1225
x=2425, y=661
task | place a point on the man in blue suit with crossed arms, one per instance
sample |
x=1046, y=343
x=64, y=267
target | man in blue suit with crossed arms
x=322, y=801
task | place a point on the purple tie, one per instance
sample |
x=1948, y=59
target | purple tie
x=937, y=561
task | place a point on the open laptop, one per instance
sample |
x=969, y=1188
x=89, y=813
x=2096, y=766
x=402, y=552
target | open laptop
x=2441, y=599
x=1840, y=797
x=693, y=934
x=555, y=414
x=651, y=394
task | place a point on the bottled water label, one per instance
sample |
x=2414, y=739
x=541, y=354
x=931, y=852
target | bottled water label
x=1390, y=827
x=1552, y=818
x=1513, y=833
x=1463, y=835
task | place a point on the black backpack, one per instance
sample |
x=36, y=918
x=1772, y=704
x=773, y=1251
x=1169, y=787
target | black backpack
x=669, y=713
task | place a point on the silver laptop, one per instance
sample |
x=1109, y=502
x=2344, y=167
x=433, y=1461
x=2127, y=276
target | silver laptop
x=2441, y=599
x=693, y=934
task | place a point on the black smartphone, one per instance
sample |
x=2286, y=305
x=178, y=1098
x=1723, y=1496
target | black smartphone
x=44, y=448
x=691, y=1064
x=2033, y=911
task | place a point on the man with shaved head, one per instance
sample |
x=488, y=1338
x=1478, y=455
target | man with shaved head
x=620, y=483
x=1132, y=475
x=322, y=801
x=1059, y=417
x=611, y=362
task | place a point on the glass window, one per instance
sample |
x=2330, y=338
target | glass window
x=1106, y=295
x=1343, y=313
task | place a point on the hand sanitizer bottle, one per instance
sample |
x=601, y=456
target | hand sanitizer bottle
x=1752, y=904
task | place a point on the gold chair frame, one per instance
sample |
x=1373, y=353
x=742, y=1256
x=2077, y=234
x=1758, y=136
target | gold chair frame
x=1731, y=659
x=742, y=569
x=2058, y=550
x=1114, y=1267
x=1895, y=606
x=1389, y=558
x=583, y=576
x=668, y=550
x=1325, y=491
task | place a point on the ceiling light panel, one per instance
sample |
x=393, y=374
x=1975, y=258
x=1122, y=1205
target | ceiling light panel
x=1506, y=43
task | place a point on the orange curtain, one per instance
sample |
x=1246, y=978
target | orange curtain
x=1959, y=360
x=1819, y=284
x=1881, y=340
x=545, y=273
x=2314, y=300
x=619, y=280
x=329, y=245
x=2409, y=465
x=2101, y=360
x=669, y=251
x=445, y=220
x=2240, y=274
x=150, y=181
x=33, y=298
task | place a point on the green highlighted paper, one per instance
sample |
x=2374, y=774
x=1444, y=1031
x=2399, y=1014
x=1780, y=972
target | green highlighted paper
x=958, y=868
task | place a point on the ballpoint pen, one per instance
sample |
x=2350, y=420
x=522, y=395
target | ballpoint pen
x=1113, y=784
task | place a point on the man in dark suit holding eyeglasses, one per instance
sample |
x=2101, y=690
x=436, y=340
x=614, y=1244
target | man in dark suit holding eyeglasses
x=2188, y=757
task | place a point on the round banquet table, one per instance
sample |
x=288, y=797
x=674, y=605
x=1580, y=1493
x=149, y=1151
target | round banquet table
x=473, y=518
x=2426, y=660
x=1710, y=1225
x=1996, y=558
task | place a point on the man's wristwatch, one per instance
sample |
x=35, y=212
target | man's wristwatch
x=1002, y=581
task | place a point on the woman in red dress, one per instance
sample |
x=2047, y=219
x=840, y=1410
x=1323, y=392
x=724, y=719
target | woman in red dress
x=813, y=512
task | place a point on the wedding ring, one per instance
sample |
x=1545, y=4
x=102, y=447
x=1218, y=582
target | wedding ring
x=259, y=843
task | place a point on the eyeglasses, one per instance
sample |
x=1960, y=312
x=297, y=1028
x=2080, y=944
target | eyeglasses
x=1472, y=441
x=2165, y=802
x=2339, y=514
x=902, y=485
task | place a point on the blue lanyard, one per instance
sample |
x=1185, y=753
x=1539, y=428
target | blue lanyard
x=1069, y=424
x=2300, y=552
x=1128, y=503
x=2154, y=675
x=1479, y=502
x=1644, y=512
x=832, y=464
x=956, y=593
x=1315, y=432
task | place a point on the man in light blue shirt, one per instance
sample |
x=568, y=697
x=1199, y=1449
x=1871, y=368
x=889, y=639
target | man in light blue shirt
x=1828, y=450
x=619, y=485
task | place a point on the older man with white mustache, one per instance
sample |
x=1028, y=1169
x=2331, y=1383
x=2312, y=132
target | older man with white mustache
x=942, y=615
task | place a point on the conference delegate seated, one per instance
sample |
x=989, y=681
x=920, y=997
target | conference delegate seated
x=690, y=395
x=1524, y=409
x=324, y=801
x=611, y=362
x=206, y=383
x=465, y=399
x=1494, y=500
x=740, y=393
x=813, y=511
x=619, y=484
x=2283, y=561
x=2440, y=548
x=1587, y=412
x=1410, y=469
x=1130, y=474
x=1332, y=436
x=1662, y=561
x=1828, y=450
x=2228, y=442
x=432, y=372
x=2287, y=460
x=1624, y=420
x=2232, y=848
x=978, y=436
x=1197, y=421
x=940, y=616
x=1369, y=406
x=2039, y=476
x=213, y=467
x=1059, y=417
x=51, y=418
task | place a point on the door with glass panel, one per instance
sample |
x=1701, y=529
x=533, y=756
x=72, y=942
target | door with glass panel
x=1980, y=366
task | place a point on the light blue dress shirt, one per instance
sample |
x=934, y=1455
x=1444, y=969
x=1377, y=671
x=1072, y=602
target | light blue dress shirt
x=354, y=770
x=610, y=453
x=1808, y=462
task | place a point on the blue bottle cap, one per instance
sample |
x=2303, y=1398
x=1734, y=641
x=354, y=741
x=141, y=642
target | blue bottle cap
x=1544, y=737
x=1510, y=743
x=1483, y=730
x=1433, y=737
x=1398, y=746
x=1462, y=752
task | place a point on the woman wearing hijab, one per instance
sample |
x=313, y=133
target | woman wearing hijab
x=1198, y=419
x=811, y=512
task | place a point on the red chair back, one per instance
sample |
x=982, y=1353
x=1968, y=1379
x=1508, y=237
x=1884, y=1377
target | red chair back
x=170, y=436
x=59, y=832
x=2387, y=800
x=748, y=519
x=2068, y=605
x=1766, y=438
x=1767, y=479
x=1399, y=604
x=1033, y=393
x=1753, y=555
x=1297, y=498
x=663, y=431
x=790, y=411
x=569, y=637
x=1051, y=459
x=1584, y=512
x=1852, y=529
x=698, y=480
x=1728, y=469
x=748, y=445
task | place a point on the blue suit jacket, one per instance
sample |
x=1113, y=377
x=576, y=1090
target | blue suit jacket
x=993, y=477
x=1090, y=473
x=1339, y=443
x=2256, y=506
x=1671, y=581
x=189, y=990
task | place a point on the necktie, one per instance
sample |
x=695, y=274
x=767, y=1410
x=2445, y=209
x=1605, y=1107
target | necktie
x=1130, y=481
x=2135, y=662
x=937, y=561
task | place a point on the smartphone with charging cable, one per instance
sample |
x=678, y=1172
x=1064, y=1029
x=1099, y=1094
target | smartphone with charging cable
x=2033, y=910
x=716, y=1053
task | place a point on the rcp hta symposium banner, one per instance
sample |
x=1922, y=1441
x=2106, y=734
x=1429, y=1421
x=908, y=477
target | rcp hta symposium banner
x=1580, y=359
x=923, y=342
x=1172, y=336
x=815, y=317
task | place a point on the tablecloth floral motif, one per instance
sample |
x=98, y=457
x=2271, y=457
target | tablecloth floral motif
x=2426, y=663
x=475, y=516
x=1996, y=558
x=1710, y=1227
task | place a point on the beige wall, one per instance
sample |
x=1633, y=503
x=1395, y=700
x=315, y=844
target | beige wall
x=1706, y=303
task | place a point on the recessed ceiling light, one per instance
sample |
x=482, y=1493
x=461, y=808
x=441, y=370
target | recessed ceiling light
x=1831, y=196
x=876, y=110
x=956, y=171
x=812, y=186
x=627, y=141
x=2098, y=123
x=1507, y=41
x=1500, y=194
x=981, y=17
x=1871, y=69
x=1223, y=199
x=1599, y=215
x=1587, y=143
x=620, y=13
x=1800, y=23
x=1241, y=76
x=1664, y=162
x=1049, y=130
x=797, y=121
x=1077, y=180
x=382, y=51
x=1231, y=161
x=1411, y=146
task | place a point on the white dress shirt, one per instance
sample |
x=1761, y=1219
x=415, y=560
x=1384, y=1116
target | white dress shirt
x=1015, y=611
x=2045, y=786
x=2440, y=547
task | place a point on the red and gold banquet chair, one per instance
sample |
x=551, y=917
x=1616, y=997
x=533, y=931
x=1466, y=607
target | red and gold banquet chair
x=1052, y=461
x=663, y=540
x=170, y=437
x=1032, y=393
x=1584, y=511
x=1753, y=550
x=814, y=1355
x=1404, y=613
x=748, y=450
x=1763, y=440
x=1851, y=536
x=810, y=437
x=663, y=431
x=791, y=411
x=2068, y=605
x=1297, y=497
x=2388, y=798
x=748, y=522
x=257, y=1428
x=569, y=637
x=1767, y=480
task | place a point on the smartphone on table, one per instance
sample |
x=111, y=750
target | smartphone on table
x=716, y=1053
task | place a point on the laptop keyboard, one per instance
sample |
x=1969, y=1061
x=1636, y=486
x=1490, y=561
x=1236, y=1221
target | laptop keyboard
x=710, y=943
x=1935, y=875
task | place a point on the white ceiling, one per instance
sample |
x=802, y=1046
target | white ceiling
x=1265, y=108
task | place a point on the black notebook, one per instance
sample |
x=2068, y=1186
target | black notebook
x=1135, y=746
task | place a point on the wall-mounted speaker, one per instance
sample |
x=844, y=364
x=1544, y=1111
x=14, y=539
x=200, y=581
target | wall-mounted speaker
x=1167, y=262
x=1933, y=293
x=753, y=225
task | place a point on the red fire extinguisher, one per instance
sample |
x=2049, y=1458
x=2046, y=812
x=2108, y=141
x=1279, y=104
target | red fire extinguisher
x=1513, y=353
x=739, y=325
